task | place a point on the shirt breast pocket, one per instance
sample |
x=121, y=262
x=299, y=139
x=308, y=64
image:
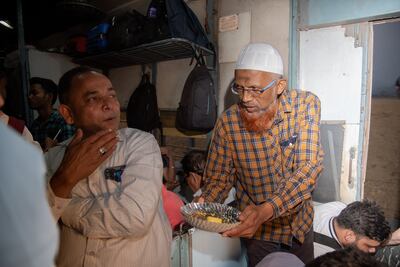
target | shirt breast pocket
x=288, y=148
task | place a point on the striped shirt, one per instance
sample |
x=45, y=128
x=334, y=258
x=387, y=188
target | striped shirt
x=279, y=166
x=114, y=222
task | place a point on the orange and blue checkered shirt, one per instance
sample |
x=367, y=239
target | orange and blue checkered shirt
x=279, y=166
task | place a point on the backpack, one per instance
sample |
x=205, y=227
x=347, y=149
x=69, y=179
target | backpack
x=183, y=23
x=142, y=111
x=197, y=109
x=128, y=30
x=157, y=20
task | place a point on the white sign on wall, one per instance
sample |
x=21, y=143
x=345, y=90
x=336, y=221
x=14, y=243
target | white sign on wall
x=233, y=37
x=228, y=23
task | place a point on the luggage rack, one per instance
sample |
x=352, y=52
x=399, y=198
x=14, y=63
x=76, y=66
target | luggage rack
x=167, y=49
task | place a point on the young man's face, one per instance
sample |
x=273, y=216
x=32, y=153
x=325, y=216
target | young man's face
x=38, y=97
x=92, y=104
x=366, y=244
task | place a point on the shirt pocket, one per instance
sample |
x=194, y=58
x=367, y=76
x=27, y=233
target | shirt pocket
x=288, y=148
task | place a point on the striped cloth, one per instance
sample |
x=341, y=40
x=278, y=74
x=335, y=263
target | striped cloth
x=279, y=166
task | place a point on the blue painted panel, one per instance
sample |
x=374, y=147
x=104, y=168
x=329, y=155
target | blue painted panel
x=323, y=12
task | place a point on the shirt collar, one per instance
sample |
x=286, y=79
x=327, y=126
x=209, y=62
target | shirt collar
x=333, y=232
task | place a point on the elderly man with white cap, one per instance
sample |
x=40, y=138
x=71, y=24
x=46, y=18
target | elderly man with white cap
x=268, y=147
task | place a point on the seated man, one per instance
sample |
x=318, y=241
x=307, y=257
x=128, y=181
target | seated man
x=105, y=183
x=193, y=164
x=49, y=128
x=193, y=167
x=360, y=224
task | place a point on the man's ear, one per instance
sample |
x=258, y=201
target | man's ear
x=349, y=237
x=67, y=113
x=281, y=86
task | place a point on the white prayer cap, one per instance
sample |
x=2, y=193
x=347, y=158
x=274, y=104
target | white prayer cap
x=260, y=56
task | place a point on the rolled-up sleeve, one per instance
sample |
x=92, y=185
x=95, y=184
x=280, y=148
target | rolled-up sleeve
x=57, y=204
x=219, y=168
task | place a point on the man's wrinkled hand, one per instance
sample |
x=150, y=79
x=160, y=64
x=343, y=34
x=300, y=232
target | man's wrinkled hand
x=250, y=220
x=82, y=157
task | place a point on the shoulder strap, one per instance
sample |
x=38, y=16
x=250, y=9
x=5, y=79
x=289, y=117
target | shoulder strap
x=17, y=124
x=326, y=240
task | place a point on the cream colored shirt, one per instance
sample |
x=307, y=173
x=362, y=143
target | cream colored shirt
x=110, y=223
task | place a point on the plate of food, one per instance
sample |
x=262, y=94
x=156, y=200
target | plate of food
x=212, y=217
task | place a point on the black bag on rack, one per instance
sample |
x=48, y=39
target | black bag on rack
x=197, y=109
x=183, y=23
x=128, y=30
x=142, y=111
x=157, y=20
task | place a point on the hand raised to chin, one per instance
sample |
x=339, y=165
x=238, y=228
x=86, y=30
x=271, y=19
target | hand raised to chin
x=82, y=157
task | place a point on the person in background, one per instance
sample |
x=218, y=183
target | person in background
x=268, y=147
x=104, y=183
x=16, y=124
x=193, y=164
x=349, y=257
x=49, y=128
x=169, y=173
x=360, y=224
x=29, y=235
x=172, y=203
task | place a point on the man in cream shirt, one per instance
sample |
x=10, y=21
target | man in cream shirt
x=105, y=184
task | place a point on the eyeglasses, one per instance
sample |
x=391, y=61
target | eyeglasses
x=253, y=91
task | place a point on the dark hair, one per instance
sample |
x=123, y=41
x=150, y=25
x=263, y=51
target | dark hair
x=349, y=257
x=365, y=218
x=48, y=86
x=194, y=161
x=65, y=82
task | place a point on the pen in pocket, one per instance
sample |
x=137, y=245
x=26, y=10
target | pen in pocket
x=55, y=137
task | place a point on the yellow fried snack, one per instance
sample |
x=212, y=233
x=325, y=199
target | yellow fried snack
x=214, y=219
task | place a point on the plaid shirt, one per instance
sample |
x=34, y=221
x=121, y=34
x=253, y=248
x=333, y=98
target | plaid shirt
x=279, y=166
x=41, y=130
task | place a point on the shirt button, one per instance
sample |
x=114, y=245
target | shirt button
x=91, y=253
